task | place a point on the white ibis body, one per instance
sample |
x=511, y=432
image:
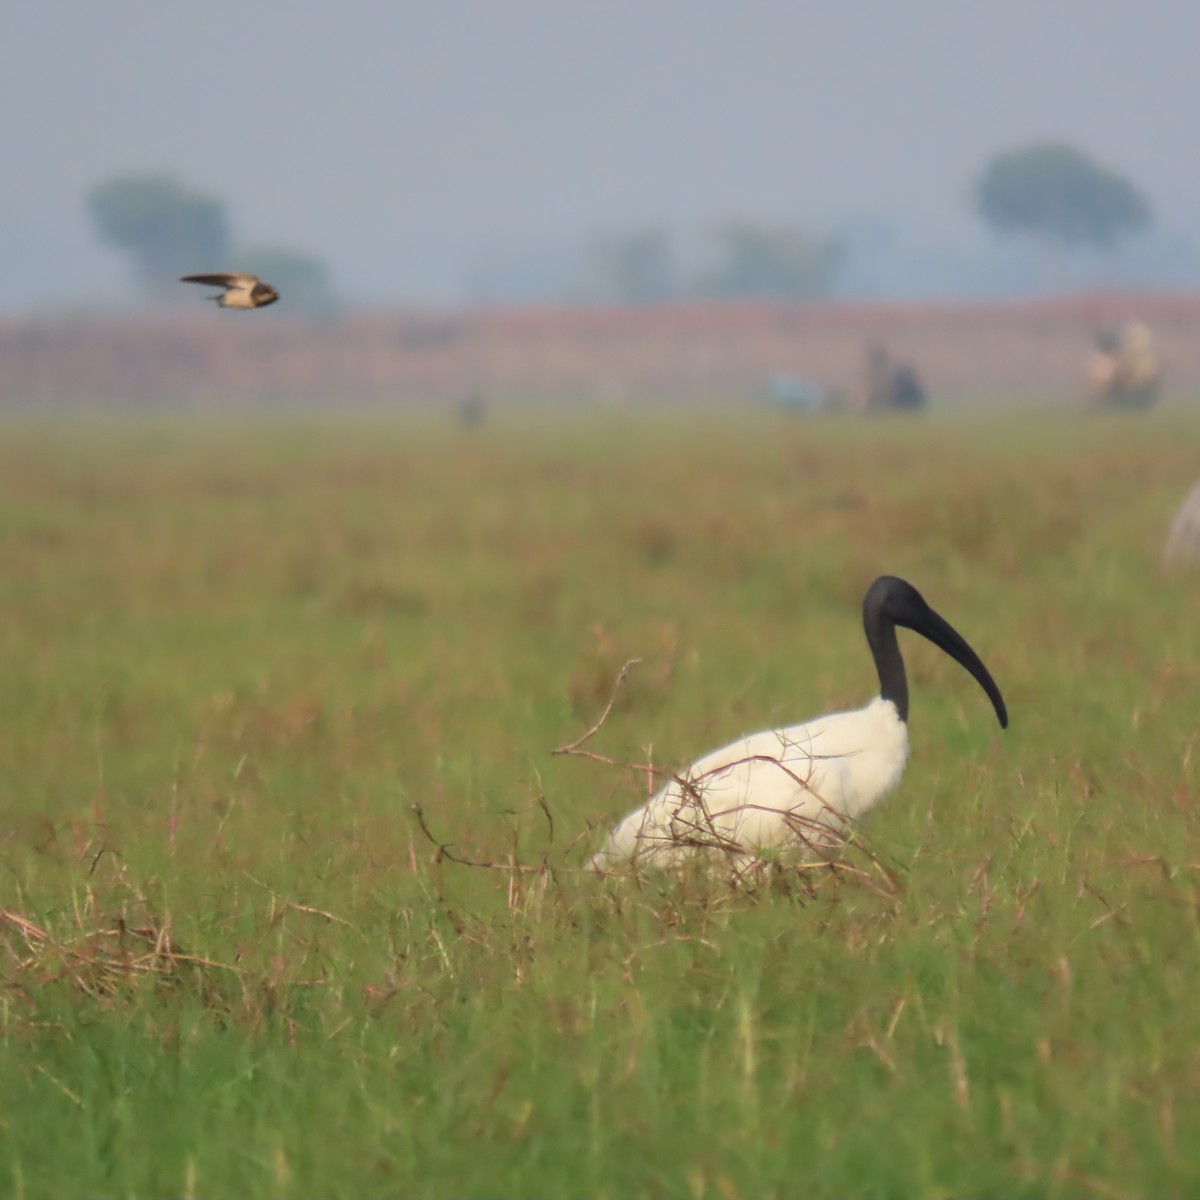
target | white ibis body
x=806, y=784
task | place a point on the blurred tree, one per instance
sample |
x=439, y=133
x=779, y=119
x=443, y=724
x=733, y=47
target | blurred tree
x=772, y=263
x=304, y=283
x=165, y=229
x=635, y=268
x=1057, y=193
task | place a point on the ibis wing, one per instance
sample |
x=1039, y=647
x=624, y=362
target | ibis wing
x=758, y=791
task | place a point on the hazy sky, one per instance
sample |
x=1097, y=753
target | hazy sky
x=405, y=142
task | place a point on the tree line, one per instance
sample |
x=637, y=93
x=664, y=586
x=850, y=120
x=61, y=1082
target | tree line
x=1047, y=192
x=1050, y=192
x=165, y=229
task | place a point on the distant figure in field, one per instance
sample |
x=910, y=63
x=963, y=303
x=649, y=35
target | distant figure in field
x=1124, y=371
x=891, y=384
x=796, y=395
x=471, y=409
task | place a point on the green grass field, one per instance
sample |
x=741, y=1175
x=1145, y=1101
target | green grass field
x=237, y=654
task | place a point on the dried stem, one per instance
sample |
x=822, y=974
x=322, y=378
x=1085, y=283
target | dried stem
x=573, y=747
x=443, y=851
x=304, y=908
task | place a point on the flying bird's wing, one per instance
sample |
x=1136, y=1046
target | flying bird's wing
x=211, y=280
x=236, y=279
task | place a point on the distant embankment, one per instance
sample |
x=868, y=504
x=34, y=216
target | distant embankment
x=670, y=352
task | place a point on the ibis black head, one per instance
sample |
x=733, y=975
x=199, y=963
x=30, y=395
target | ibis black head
x=891, y=601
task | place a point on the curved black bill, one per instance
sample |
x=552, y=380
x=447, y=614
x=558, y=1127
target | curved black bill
x=942, y=634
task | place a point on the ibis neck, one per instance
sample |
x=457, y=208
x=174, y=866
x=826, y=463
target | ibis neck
x=893, y=683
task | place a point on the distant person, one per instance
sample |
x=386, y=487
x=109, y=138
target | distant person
x=471, y=410
x=1102, y=369
x=891, y=385
x=907, y=390
x=1124, y=371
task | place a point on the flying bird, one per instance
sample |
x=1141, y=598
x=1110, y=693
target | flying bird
x=804, y=785
x=241, y=290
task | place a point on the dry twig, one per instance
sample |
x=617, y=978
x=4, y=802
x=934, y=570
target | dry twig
x=304, y=908
x=573, y=747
